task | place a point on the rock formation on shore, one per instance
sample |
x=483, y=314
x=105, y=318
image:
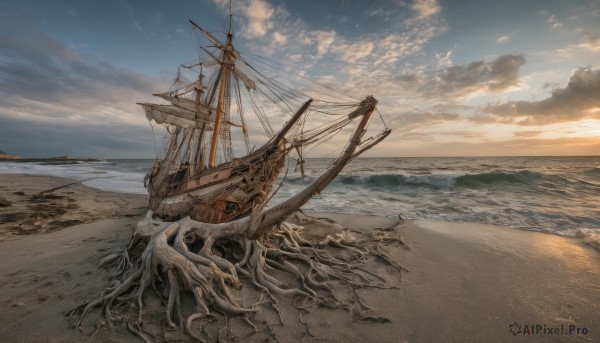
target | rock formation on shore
x=5, y=156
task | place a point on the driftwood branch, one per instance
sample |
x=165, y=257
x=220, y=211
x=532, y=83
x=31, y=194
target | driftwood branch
x=67, y=185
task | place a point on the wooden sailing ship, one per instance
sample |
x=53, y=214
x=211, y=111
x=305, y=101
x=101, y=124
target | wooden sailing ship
x=187, y=180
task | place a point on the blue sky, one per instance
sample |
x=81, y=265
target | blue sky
x=453, y=78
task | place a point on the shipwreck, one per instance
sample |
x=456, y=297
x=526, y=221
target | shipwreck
x=208, y=233
x=202, y=117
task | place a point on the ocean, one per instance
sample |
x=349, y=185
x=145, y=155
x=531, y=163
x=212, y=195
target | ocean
x=558, y=195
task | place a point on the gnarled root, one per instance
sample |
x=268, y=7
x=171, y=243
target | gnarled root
x=211, y=264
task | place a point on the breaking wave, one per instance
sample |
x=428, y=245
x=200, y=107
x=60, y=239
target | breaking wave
x=439, y=180
x=555, y=195
x=498, y=177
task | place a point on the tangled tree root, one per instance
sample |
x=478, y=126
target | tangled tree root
x=188, y=258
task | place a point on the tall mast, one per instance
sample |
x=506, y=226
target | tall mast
x=219, y=118
x=230, y=18
x=224, y=78
x=198, y=159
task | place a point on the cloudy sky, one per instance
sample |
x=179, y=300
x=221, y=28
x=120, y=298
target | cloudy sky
x=454, y=78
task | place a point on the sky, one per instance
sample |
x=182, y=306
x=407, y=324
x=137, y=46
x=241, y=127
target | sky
x=453, y=78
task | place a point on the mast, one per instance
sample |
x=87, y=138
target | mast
x=198, y=161
x=224, y=78
x=218, y=119
x=230, y=19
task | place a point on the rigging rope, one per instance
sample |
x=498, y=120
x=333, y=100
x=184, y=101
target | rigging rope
x=307, y=132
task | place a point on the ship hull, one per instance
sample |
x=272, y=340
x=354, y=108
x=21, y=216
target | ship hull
x=227, y=192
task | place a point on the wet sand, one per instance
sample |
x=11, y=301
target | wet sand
x=465, y=282
x=36, y=208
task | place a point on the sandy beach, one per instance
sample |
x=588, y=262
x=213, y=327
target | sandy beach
x=465, y=282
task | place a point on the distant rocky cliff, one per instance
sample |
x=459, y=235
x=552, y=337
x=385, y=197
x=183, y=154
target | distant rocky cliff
x=65, y=159
x=5, y=156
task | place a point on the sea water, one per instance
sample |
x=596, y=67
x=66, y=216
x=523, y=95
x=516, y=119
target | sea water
x=559, y=195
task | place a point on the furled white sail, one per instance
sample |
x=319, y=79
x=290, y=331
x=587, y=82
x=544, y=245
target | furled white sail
x=173, y=115
x=186, y=104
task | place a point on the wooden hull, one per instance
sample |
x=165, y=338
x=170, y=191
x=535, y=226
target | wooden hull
x=227, y=192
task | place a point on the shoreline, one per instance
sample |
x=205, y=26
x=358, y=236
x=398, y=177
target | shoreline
x=465, y=281
x=554, y=196
x=39, y=203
